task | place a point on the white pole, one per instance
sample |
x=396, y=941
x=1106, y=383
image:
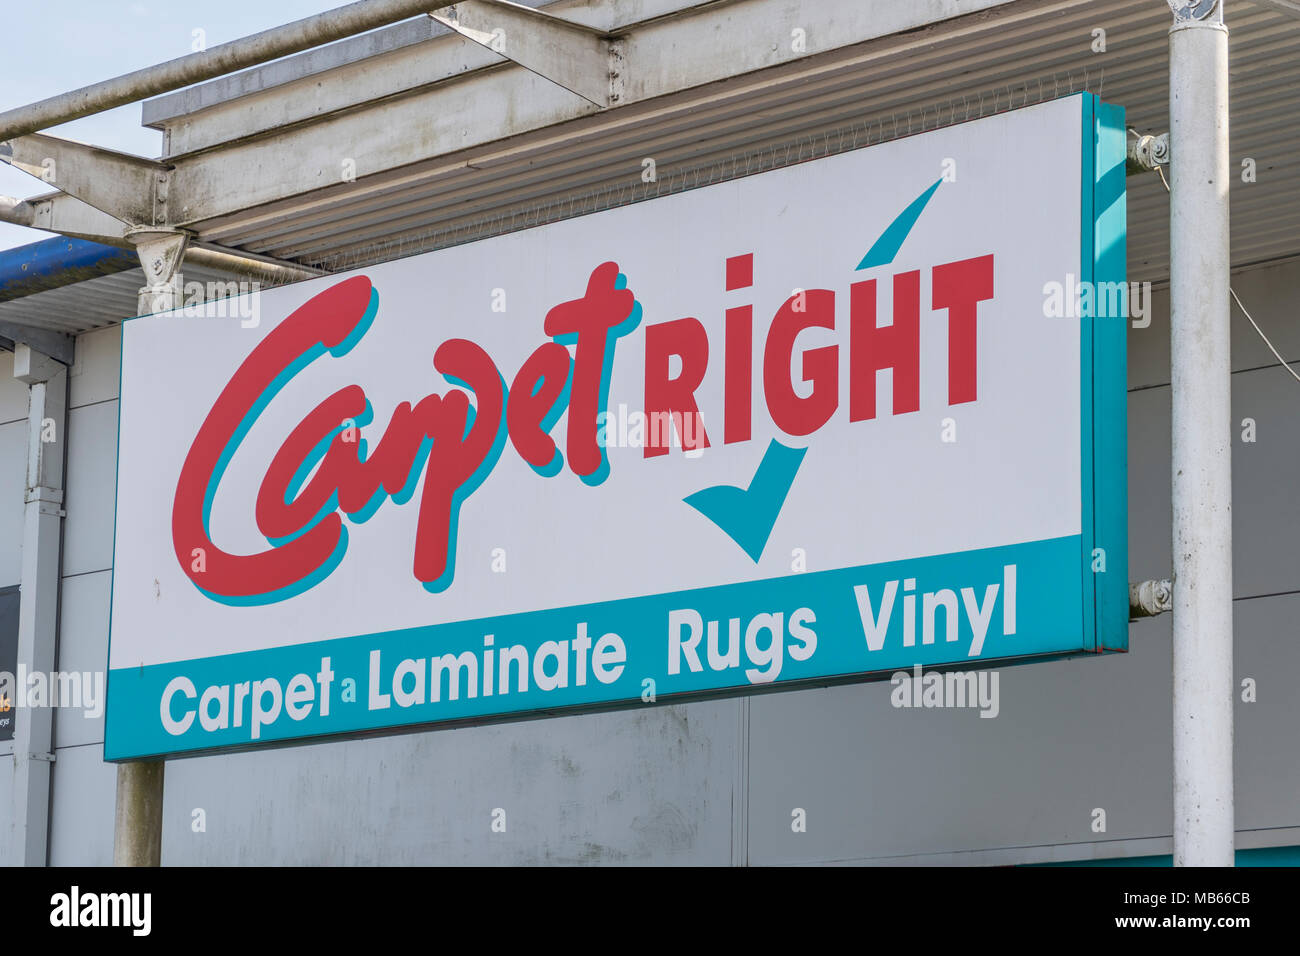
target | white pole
x=1202, y=449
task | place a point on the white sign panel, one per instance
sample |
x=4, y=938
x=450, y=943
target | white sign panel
x=813, y=425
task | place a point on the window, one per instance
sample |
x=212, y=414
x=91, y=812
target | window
x=8, y=659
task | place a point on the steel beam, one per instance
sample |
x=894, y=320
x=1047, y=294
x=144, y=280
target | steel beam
x=127, y=187
x=329, y=133
x=18, y=211
x=173, y=75
x=66, y=215
x=256, y=267
x=56, y=345
x=581, y=59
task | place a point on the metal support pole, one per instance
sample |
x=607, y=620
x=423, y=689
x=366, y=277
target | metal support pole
x=38, y=610
x=137, y=825
x=1202, y=451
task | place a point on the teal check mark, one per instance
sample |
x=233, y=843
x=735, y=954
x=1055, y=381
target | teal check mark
x=884, y=250
x=747, y=515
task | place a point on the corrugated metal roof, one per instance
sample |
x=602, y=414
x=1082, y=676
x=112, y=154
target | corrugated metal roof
x=972, y=65
x=92, y=304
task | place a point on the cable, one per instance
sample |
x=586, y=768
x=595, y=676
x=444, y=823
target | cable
x=1233, y=292
x=1284, y=362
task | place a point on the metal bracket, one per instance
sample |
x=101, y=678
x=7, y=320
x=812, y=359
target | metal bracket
x=1187, y=10
x=583, y=60
x=1150, y=598
x=53, y=496
x=160, y=252
x=1145, y=152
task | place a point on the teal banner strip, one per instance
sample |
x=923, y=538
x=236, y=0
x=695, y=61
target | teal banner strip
x=1014, y=602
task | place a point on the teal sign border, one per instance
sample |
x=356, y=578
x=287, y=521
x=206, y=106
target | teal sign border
x=1104, y=375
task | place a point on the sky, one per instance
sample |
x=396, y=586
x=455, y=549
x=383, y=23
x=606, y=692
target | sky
x=62, y=45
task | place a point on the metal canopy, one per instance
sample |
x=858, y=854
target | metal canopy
x=415, y=137
x=426, y=194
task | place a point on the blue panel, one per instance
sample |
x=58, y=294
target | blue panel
x=57, y=262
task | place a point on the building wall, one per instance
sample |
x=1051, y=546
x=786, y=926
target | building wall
x=717, y=782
